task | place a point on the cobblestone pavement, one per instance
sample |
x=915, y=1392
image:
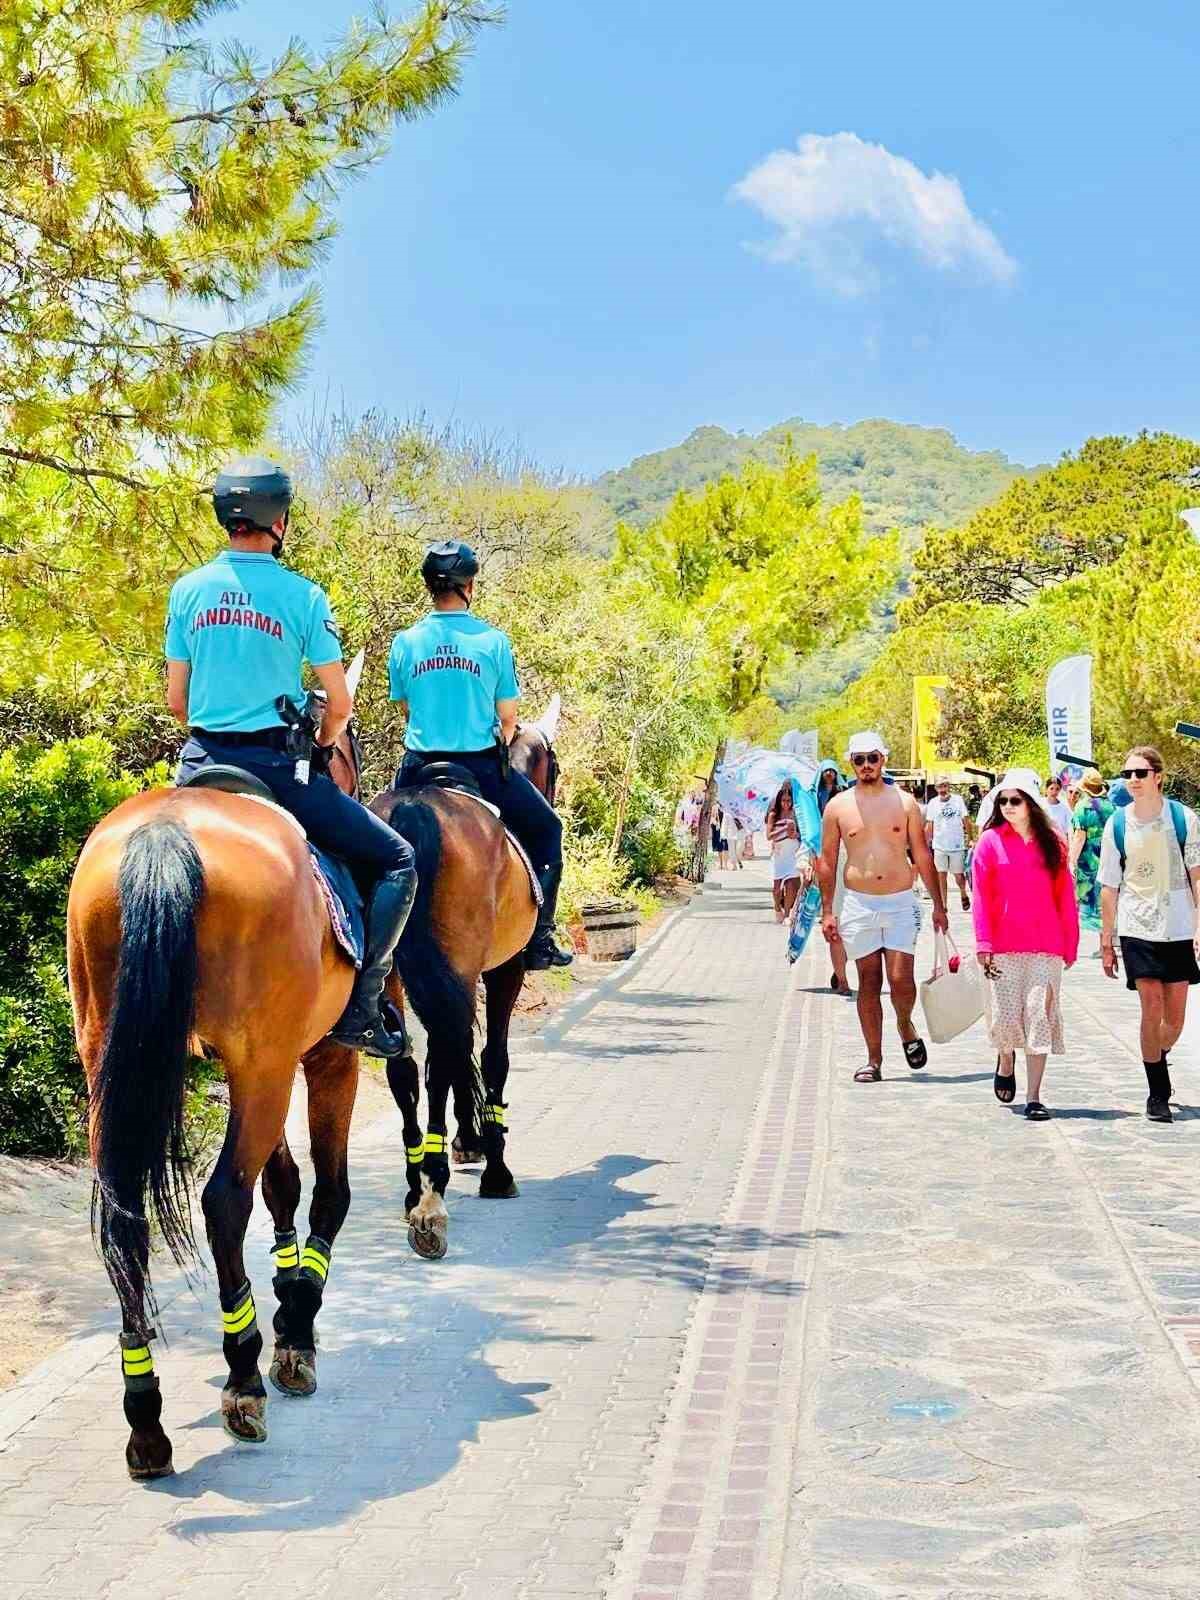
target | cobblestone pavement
x=750, y=1330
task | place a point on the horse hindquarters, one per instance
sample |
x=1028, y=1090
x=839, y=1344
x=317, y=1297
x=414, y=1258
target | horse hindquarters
x=137, y=1114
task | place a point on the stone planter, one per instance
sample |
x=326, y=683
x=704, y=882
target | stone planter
x=611, y=927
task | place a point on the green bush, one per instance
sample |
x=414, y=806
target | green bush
x=50, y=800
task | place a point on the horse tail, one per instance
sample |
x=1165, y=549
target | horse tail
x=438, y=994
x=137, y=1097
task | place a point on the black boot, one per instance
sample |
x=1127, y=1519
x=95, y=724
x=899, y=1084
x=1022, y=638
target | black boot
x=1158, y=1081
x=543, y=950
x=364, y=1025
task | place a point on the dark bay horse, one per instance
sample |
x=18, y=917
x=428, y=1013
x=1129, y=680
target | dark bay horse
x=195, y=920
x=472, y=918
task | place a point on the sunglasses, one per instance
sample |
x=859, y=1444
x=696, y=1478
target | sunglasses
x=866, y=760
x=1136, y=772
x=1012, y=799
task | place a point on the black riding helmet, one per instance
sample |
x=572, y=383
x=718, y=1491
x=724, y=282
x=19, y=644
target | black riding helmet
x=252, y=493
x=449, y=565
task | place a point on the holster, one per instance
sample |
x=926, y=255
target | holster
x=504, y=755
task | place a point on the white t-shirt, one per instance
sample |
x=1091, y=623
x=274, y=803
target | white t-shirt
x=1162, y=908
x=1059, y=813
x=947, y=818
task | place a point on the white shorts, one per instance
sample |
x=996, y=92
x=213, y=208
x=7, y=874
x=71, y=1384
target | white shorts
x=949, y=860
x=870, y=922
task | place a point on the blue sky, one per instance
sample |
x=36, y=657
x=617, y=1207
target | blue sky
x=637, y=218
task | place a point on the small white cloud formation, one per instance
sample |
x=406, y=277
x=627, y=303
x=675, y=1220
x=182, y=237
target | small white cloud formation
x=835, y=195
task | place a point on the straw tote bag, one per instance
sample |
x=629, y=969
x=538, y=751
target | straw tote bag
x=951, y=1001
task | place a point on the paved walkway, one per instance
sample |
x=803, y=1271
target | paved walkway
x=750, y=1331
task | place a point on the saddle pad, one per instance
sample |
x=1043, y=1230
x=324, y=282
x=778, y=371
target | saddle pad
x=534, y=886
x=342, y=901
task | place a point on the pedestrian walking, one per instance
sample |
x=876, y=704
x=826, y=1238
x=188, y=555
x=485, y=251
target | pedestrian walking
x=1057, y=808
x=784, y=837
x=1026, y=933
x=948, y=829
x=1150, y=890
x=720, y=840
x=1087, y=830
x=879, y=826
x=830, y=782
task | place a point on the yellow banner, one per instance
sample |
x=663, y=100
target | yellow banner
x=926, y=714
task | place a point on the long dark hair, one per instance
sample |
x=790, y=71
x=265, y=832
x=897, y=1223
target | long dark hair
x=774, y=808
x=1047, y=837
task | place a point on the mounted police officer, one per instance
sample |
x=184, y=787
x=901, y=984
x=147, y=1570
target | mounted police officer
x=238, y=630
x=455, y=678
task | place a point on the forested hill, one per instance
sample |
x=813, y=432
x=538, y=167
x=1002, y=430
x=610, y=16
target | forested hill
x=908, y=477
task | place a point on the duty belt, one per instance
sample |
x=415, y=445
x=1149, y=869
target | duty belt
x=273, y=738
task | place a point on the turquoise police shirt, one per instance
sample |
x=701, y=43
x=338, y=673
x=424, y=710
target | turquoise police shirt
x=245, y=624
x=451, y=668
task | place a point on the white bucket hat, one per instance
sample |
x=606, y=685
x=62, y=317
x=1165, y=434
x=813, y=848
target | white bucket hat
x=1023, y=778
x=862, y=744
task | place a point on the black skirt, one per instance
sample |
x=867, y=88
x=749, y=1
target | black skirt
x=1168, y=960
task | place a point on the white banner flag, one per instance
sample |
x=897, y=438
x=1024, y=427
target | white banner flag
x=1069, y=711
x=796, y=743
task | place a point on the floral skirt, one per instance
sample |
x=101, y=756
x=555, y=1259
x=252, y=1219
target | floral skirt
x=1023, y=1011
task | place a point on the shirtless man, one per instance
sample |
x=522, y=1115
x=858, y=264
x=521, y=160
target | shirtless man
x=880, y=825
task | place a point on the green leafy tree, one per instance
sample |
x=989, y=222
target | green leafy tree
x=153, y=190
x=765, y=572
x=1059, y=525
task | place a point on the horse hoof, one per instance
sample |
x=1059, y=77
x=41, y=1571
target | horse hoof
x=429, y=1243
x=148, y=1461
x=244, y=1417
x=294, y=1372
x=504, y=1190
x=465, y=1158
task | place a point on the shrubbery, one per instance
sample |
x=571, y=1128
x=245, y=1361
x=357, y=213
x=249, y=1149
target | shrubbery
x=50, y=800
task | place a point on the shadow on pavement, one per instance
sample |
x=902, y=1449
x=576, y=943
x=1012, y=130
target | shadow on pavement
x=407, y=1391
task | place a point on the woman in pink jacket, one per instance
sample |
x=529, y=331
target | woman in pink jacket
x=1026, y=932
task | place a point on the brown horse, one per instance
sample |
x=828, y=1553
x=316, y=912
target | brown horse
x=195, y=920
x=472, y=918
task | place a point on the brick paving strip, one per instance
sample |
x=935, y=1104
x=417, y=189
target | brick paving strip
x=712, y=1515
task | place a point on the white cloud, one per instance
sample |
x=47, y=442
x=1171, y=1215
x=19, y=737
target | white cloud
x=835, y=196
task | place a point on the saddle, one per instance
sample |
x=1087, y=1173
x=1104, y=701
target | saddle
x=341, y=895
x=449, y=775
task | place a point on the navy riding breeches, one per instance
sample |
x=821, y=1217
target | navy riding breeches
x=332, y=820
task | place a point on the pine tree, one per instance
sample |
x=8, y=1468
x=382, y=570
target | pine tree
x=152, y=190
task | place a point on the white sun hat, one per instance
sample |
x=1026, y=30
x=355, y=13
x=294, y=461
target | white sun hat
x=1023, y=778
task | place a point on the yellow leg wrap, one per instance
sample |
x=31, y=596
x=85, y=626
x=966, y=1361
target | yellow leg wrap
x=137, y=1362
x=496, y=1115
x=241, y=1322
x=435, y=1144
x=315, y=1260
x=414, y=1152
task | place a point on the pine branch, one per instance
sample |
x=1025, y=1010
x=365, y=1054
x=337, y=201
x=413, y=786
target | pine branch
x=34, y=459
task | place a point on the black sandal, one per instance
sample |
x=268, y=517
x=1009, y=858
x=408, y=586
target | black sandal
x=1004, y=1086
x=916, y=1054
x=1035, y=1111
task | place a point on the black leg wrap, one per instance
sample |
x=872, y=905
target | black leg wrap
x=143, y=1407
x=242, y=1357
x=299, y=1303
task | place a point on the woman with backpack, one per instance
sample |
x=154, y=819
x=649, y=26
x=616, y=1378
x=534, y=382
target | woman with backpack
x=1149, y=896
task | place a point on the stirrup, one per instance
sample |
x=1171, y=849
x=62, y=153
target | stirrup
x=383, y=1035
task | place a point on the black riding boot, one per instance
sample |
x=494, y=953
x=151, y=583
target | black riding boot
x=543, y=950
x=363, y=1025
